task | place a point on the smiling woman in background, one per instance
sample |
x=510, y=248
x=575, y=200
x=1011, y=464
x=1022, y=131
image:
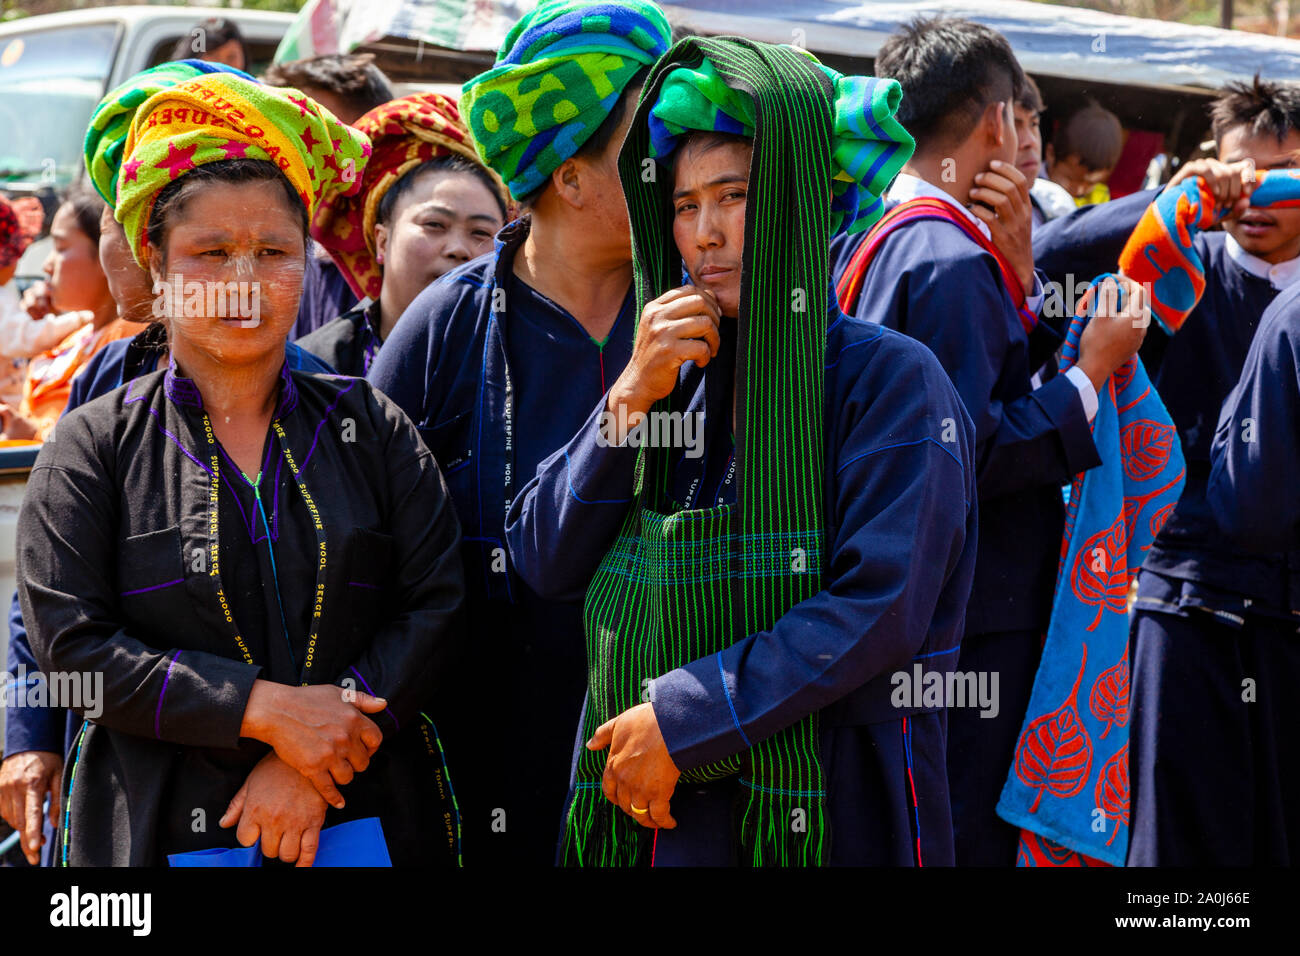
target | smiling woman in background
x=426, y=205
x=247, y=553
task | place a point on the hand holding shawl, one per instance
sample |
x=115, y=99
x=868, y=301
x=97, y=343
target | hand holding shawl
x=1072, y=756
x=1162, y=250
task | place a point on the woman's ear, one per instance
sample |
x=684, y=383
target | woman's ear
x=567, y=181
x=381, y=242
x=155, y=264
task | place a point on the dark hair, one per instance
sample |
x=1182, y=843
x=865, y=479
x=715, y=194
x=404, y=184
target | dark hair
x=1093, y=133
x=443, y=164
x=704, y=140
x=217, y=32
x=1262, y=106
x=598, y=141
x=353, y=77
x=174, y=196
x=87, y=207
x=950, y=70
x=1030, y=97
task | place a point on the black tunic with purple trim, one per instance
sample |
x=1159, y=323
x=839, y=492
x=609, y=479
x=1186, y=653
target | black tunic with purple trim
x=123, y=570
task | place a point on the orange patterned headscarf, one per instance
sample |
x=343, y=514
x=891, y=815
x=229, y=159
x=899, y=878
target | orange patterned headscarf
x=404, y=133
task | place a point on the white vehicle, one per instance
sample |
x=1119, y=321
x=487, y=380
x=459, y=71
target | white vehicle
x=55, y=68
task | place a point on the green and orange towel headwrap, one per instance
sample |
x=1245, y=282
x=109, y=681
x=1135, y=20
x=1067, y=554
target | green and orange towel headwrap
x=558, y=74
x=403, y=133
x=868, y=144
x=1162, y=253
x=111, y=121
x=222, y=116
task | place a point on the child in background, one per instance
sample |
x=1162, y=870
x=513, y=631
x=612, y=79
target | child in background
x=24, y=328
x=76, y=284
x=1083, y=151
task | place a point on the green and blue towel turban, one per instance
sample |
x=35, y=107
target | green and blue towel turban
x=558, y=75
x=868, y=144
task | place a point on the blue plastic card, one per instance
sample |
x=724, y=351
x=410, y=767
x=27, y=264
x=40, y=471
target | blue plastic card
x=358, y=843
x=239, y=856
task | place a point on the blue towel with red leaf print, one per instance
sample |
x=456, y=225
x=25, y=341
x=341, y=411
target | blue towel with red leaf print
x=1068, y=787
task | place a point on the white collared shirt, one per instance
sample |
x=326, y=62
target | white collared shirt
x=907, y=187
x=1281, y=276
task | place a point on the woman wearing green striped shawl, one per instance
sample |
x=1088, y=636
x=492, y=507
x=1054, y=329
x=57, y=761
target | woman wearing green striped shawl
x=790, y=527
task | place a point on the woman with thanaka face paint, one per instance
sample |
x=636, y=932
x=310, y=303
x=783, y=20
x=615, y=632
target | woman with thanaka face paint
x=745, y=610
x=37, y=739
x=270, y=590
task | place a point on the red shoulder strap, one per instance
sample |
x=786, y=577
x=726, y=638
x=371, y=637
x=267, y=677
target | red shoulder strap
x=850, y=285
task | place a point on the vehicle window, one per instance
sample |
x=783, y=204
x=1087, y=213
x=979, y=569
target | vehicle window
x=50, y=82
x=261, y=52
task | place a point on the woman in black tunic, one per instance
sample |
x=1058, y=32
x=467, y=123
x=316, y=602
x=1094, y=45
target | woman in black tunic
x=244, y=553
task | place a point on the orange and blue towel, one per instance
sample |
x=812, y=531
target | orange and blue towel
x=1161, y=251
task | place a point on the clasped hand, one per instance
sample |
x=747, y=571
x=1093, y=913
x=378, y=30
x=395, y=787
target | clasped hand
x=321, y=738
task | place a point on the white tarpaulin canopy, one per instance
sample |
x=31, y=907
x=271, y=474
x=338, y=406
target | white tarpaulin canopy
x=1049, y=40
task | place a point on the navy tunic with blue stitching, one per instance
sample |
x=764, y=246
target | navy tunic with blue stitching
x=494, y=393
x=932, y=282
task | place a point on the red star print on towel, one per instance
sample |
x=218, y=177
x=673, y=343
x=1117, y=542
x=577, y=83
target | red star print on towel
x=178, y=160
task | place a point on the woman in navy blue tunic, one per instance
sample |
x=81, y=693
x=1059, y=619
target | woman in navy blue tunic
x=897, y=483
